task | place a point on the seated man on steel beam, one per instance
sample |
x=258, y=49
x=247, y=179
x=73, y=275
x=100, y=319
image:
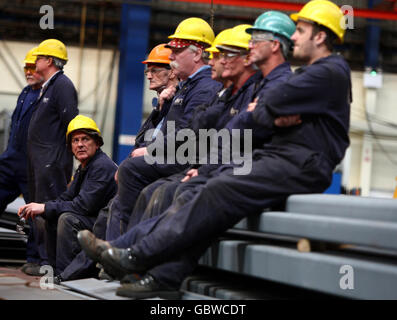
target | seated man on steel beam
x=163, y=80
x=77, y=208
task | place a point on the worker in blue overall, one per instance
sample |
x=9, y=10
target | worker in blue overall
x=13, y=161
x=299, y=159
x=189, y=63
x=50, y=161
x=161, y=77
x=77, y=208
x=273, y=71
x=163, y=80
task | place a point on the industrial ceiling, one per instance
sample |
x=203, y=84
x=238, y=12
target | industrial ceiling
x=95, y=23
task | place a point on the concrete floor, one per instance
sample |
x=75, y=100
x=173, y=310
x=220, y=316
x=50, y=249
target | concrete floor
x=15, y=285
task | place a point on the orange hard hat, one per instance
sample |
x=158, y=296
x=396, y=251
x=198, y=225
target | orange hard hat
x=159, y=54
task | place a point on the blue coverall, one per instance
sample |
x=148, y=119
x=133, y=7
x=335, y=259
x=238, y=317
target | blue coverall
x=155, y=119
x=114, y=223
x=77, y=208
x=13, y=163
x=50, y=162
x=299, y=159
x=135, y=173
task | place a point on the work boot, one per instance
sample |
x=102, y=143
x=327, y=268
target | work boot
x=120, y=262
x=28, y=265
x=147, y=287
x=130, y=278
x=34, y=270
x=92, y=246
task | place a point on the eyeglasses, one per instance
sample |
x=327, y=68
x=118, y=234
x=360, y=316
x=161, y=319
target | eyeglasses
x=153, y=71
x=83, y=140
x=256, y=41
x=31, y=69
x=229, y=55
x=260, y=37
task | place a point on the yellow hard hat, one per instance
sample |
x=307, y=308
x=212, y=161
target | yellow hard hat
x=195, y=29
x=53, y=48
x=30, y=57
x=83, y=123
x=238, y=37
x=325, y=13
x=218, y=39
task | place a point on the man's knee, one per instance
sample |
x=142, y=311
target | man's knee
x=128, y=166
x=67, y=222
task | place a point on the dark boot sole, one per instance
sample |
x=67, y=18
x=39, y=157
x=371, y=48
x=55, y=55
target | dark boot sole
x=169, y=295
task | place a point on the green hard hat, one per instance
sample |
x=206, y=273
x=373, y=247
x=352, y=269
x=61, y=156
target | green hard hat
x=275, y=22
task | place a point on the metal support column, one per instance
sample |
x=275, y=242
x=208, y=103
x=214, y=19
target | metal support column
x=371, y=64
x=366, y=166
x=134, y=36
x=372, y=39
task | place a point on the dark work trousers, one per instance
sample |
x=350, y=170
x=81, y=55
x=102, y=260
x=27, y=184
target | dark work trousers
x=63, y=245
x=115, y=225
x=155, y=198
x=171, y=273
x=207, y=210
x=38, y=239
x=11, y=186
x=82, y=266
x=134, y=174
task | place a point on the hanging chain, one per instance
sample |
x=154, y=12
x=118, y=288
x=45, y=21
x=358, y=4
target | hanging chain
x=212, y=14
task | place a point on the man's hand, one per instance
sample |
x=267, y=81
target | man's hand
x=288, y=121
x=139, y=152
x=116, y=176
x=166, y=94
x=31, y=210
x=252, y=105
x=190, y=174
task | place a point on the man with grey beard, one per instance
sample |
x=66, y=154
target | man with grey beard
x=13, y=162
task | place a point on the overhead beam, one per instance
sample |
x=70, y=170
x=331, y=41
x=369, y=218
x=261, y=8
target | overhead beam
x=289, y=6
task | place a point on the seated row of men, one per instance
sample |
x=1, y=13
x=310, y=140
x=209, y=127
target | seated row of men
x=150, y=229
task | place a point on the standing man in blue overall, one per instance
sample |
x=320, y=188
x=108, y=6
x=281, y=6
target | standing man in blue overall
x=13, y=161
x=50, y=162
